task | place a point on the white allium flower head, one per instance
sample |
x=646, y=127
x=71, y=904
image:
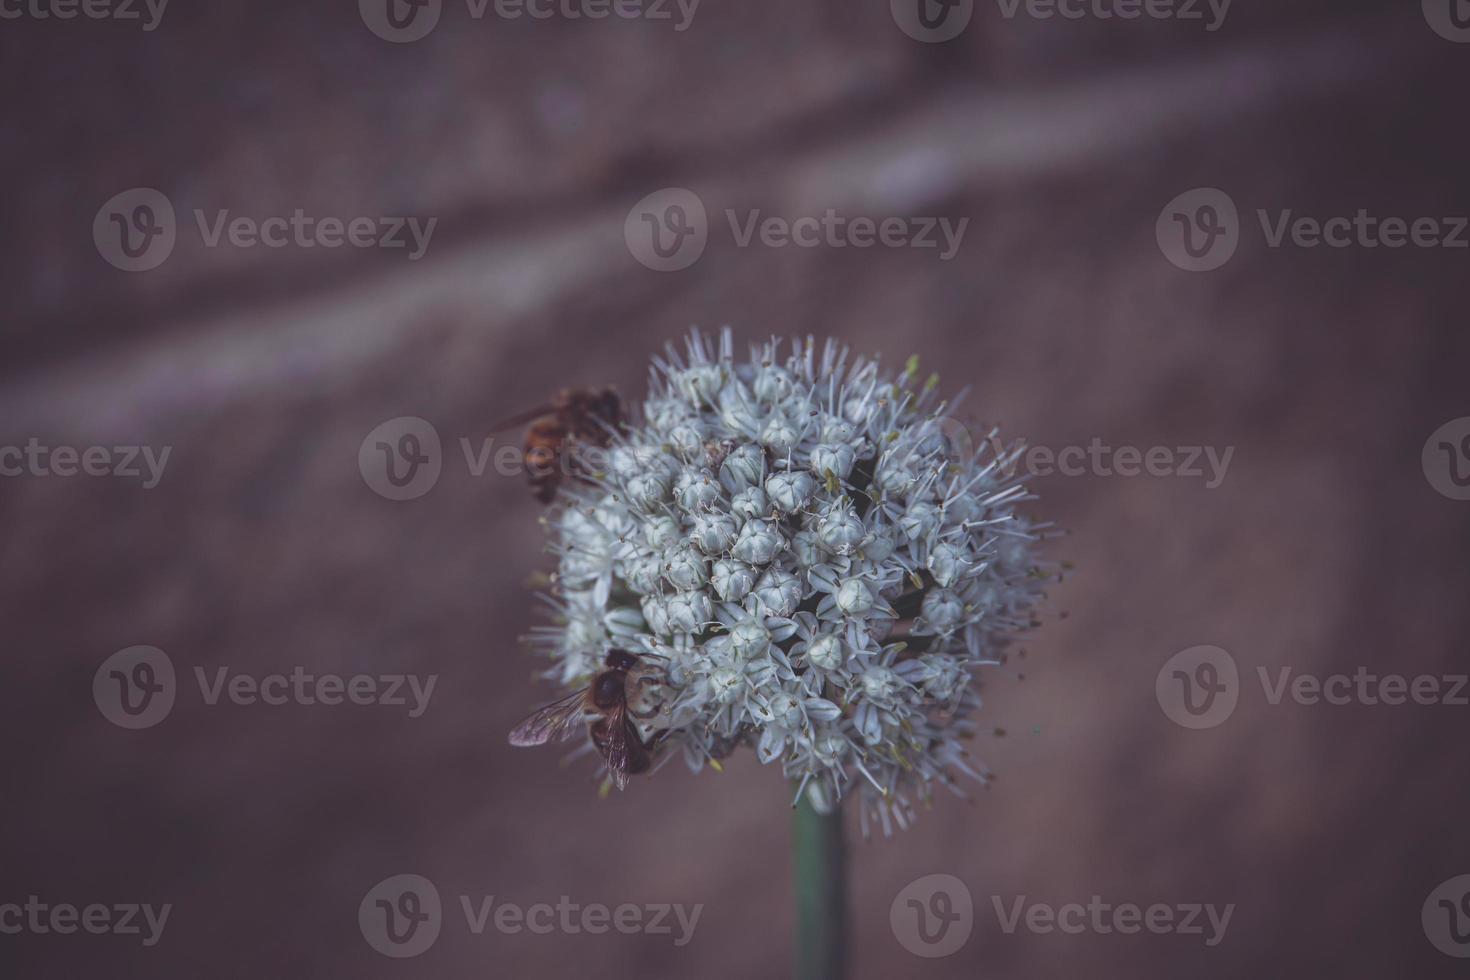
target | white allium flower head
x=815, y=561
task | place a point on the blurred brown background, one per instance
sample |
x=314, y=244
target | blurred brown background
x=262, y=549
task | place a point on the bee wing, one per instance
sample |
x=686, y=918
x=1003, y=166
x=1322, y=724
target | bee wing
x=618, y=752
x=521, y=418
x=556, y=720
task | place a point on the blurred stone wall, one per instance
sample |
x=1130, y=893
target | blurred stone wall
x=262, y=549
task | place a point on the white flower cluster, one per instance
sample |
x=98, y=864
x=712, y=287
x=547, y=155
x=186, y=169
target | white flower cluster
x=817, y=557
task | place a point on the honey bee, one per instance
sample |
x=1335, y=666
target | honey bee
x=627, y=690
x=575, y=417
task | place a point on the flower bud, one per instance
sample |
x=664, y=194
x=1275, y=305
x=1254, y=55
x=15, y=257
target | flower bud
x=942, y=608
x=655, y=614
x=833, y=457
x=700, y=383
x=840, y=529
x=665, y=413
x=687, y=436
x=790, y=491
x=896, y=474
x=836, y=429
x=779, y=592
x=758, y=542
x=696, y=488
x=779, y=434
x=919, y=520
x=624, y=461
x=829, y=748
x=642, y=572
x=877, y=547
x=750, y=502
x=713, y=532
x=689, y=612
x=742, y=468
x=732, y=580
x=946, y=563
x=879, y=683
x=684, y=567
x=749, y=639
x=771, y=383
x=660, y=531
x=725, y=685
x=647, y=488
x=944, y=676
x=854, y=597
x=825, y=651
x=806, y=549
x=786, y=710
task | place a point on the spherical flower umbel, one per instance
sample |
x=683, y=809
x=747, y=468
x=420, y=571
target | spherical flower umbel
x=814, y=559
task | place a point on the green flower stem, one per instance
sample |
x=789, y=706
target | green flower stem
x=819, y=863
